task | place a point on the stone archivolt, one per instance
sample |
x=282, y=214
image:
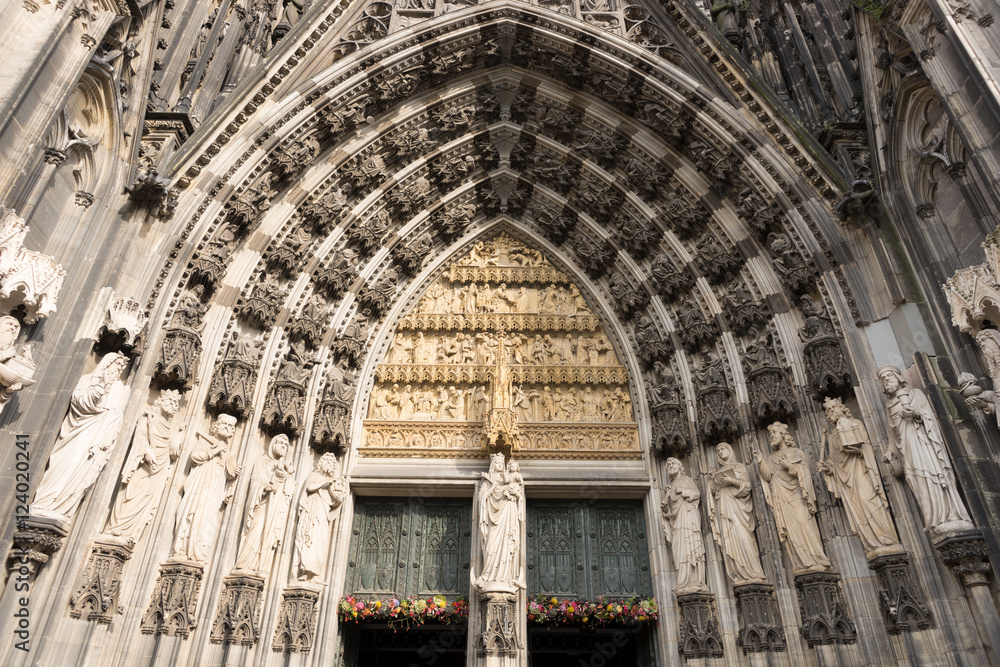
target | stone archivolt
x=569, y=395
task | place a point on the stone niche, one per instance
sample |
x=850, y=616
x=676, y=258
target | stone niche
x=433, y=388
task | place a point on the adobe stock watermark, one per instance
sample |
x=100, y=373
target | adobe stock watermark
x=20, y=568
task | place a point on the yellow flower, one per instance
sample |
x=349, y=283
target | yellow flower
x=555, y=600
x=610, y=606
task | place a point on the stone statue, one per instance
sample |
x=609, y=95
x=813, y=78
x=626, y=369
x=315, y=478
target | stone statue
x=206, y=492
x=989, y=343
x=501, y=517
x=788, y=489
x=731, y=513
x=16, y=369
x=271, y=489
x=155, y=446
x=682, y=527
x=319, y=502
x=920, y=447
x=85, y=440
x=852, y=475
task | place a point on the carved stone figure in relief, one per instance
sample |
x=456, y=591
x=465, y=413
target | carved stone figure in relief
x=921, y=450
x=731, y=514
x=206, y=492
x=16, y=369
x=319, y=504
x=85, y=440
x=853, y=477
x=501, y=517
x=682, y=528
x=156, y=445
x=271, y=489
x=788, y=489
x=989, y=343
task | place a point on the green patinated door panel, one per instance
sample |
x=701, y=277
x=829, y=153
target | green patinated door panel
x=585, y=550
x=403, y=548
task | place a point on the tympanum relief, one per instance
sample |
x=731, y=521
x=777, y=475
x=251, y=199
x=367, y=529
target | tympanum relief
x=568, y=392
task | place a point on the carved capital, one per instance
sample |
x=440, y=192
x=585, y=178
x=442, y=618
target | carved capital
x=499, y=635
x=968, y=557
x=99, y=583
x=32, y=546
x=238, y=619
x=123, y=326
x=900, y=598
x=824, y=611
x=296, y=627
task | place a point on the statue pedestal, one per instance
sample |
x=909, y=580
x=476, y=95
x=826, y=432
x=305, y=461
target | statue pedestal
x=296, y=627
x=498, y=642
x=34, y=541
x=824, y=610
x=100, y=582
x=760, y=621
x=699, y=635
x=238, y=619
x=903, y=609
x=174, y=601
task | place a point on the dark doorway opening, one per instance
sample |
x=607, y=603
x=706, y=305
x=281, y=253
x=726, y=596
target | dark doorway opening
x=598, y=647
x=422, y=646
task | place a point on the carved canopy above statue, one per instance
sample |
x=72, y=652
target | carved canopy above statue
x=568, y=389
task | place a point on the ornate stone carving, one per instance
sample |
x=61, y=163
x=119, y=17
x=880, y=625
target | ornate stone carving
x=12, y=232
x=260, y=309
x=208, y=267
x=237, y=621
x=712, y=162
x=792, y=268
x=338, y=274
x=247, y=209
x=557, y=225
x=295, y=631
x=638, y=236
x=99, y=583
x=824, y=354
x=668, y=414
x=967, y=555
x=767, y=383
x=852, y=475
x=341, y=118
x=286, y=256
x=761, y=216
x=730, y=510
x=699, y=628
x=743, y=313
x=668, y=280
x=824, y=611
x=33, y=281
x=716, y=415
x=174, y=603
x=900, y=599
x=284, y=405
x=332, y=421
x=684, y=217
x=155, y=447
x=695, y=332
x=323, y=213
x=310, y=325
x=596, y=257
x=207, y=490
x=369, y=235
x=788, y=489
x=86, y=438
x=989, y=345
x=760, y=621
x=412, y=198
x=411, y=257
x=33, y=543
x=412, y=142
x=235, y=377
x=454, y=220
x=972, y=294
x=350, y=345
x=17, y=368
x=923, y=456
x=682, y=528
x=178, y=355
x=291, y=159
x=627, y=299
x=718, y=262
x=122, y=329
x=376, y=298
x=499, y=636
